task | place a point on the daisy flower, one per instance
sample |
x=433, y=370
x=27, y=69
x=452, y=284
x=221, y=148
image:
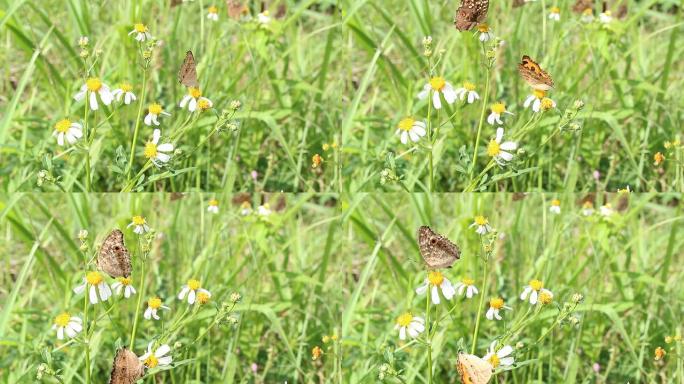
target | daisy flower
x=263, y=17
x=533, y=290
x=554, y=14
x=245, y=208
x=213, y=13
x=587, y=15
x=192, y=289
x=123, y=284
x=124, y=91
x=264, y=210
x=437, y=281
x=64, y=322
x=495, y=306
x=194, y=100
x=213, y=206
x=539, y=102
x=501, y=358
x=588, y=208
x=65, y=128
x=498, y=150
x=141, y=33
x=139, y=225
x=156, y=358
x=466, y=285
x=498, y=109
x=153, y=305
x=485, y=33
x=482, y=225
x=155, y=152
x=154, y=110
x=606, y=210
x=605, y=17
x=410, y=128
x=555, y=206
x=414, y=325
x=468, y=89
x=438, y=86
x=92, y=88
x=97, y=284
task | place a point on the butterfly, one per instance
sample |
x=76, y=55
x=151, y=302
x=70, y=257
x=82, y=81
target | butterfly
x=473, y=370
x=581, y=5
x=532, y=73
x=113, y=257
x=437, y=251
x=470, y=13
x=187, y=75
x=236, y=9
x=127, y=369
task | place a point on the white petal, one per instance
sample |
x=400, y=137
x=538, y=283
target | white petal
x=404, y=137
x=148, y=313
x=506, y=361
x=490, y=313
x=93, y=101
x=505, y=351
x=402, y=333
x=156, y=135
x=148, y=119
x=529, y=100
x=421, y=289
x=162, y=350
x=163, y=157
x=93, y=295
x=184, y=101
x=523, y=295
x=435, y=295
x=419, y=130
x=191, y=297
x=60, y=333
x=60, y=139
x=509, y=146
x=168, y=147
x=183, y=292
x=193, y=105
x=533, y=297
x=165, y=360
x=436, y=102
x=499, y=134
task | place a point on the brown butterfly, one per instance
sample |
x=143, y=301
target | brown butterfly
x=470, y=13
x=532, y=73
x=127, y=369
x=581, y=5
x=437, y=251
x=236, y=9
x=518, y=3
x=187, y=75
x=473, y=370
x=113, y=257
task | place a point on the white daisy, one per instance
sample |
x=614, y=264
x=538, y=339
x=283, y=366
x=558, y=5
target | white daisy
x=482, y=225
x=534, y=289
x=97, y=285
x=500, y=358
x=264, y=210
x=155, y=152
x=606, y=210
x=263, y=17
x=65, y=323
x=605, y=17
x=92, y=88
x=65, y=128
x=139, y=225
x=554, y=14
x=141, y=32
x=213, y=206
x=154, y=304
x=587, y=208
x=466, y=286
x=498, y=109
x=191, y=290
x=212, y=13
x=468, y=90
x=485, y=33
x=157, y=357
x=555, y=206
x=410, y=128
x=501, y=151
x=414, y=325
x=495, y=306
x=154, y=110
x=245, y=208
x=437, y=281
x=587, y=15
x=539, y=102
x=195, y=100
x=123, y=284
x=437, y=85
x=124, y=91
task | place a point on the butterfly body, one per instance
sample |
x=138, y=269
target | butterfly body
x=113, y=257
x=127, y=369
x=470, y=13
x=187, y=75
x=473, y=370
x=437, y=251
x=534, y=75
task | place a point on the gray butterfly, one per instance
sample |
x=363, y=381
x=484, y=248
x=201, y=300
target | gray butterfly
x=127, y=369
x=187, y=75
x=437, y=251
x=113, y=257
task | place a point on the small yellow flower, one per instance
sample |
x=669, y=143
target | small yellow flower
x=659, y=353
x=316, y=353
x=658, y=158
x=316, y=161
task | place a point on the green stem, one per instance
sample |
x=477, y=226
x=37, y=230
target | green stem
x=86, y=338
x=431, y=141
x=428, y=337
x=137, y=127
x=482, y=298
x=140, y=295
x=87, y=140
x=482, y=117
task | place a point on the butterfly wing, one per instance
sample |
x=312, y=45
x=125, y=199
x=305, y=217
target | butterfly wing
x=437, y=251
x=127, y=369
x=532, y=73
x=470, y=13
x=113, y=257
x=187, y=75
x=236, y=9
x=473, y=370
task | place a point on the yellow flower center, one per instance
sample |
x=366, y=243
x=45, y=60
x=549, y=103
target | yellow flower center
x=496, y=303
x=539, y=94
x=588, y=12
x=405, y=319
x=435, y=278
x=316, y=352
x=62, y=319
x=126, y=87
x=437, y=83
x=555, y=10
x=126, y=281
x=154, y=303
x=499, y=108
x=588, y=204
x=202, y=298
x=555, y=203
x=139, y=220
x=140, y=27
x=213, y=9
x=150, y=150
x=659, y=353
x=194, y=284
x=546, y=104
x=94, y=278
x=155, y=109
x=493, y=148
x=468, y=281
x=406, y=124
x=469, y=86
x=483, y=28
x=536, y=284
x=213, y=202
x=607, y=13
x=545, y=298
x=93, y=84
x=151, y=361
x=481, y=220
x=63, y=125
x=494, y=360
x=194, y=92
x=203, y=104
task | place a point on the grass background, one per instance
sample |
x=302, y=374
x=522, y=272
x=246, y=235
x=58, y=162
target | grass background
x=322, y=267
